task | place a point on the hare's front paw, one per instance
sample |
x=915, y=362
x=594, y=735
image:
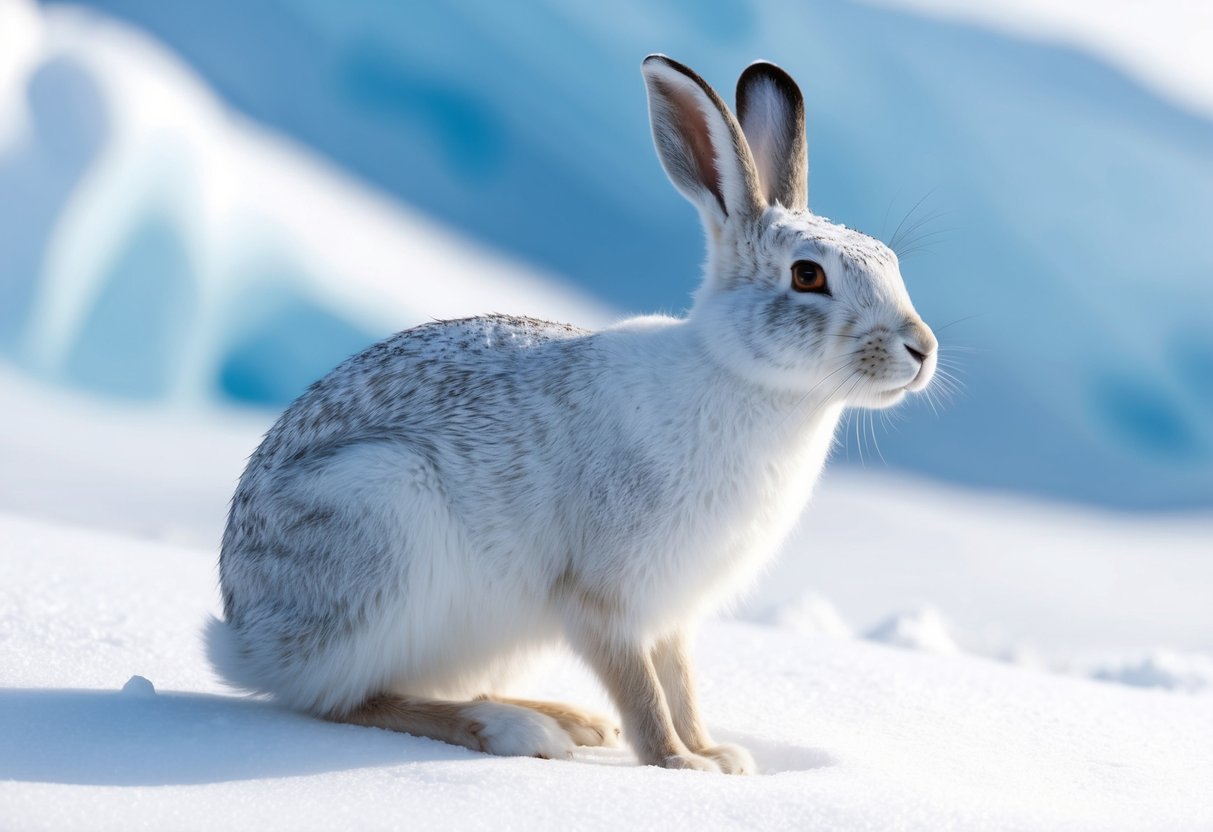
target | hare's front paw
x=732, y=759
x=691, y=761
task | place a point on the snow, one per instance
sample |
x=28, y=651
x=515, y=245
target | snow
x=848, y=735
x=138, y=687
x=1010, y=574
x=1159, y=669
x=112, y=719
x=921, y=629
x=809, y=615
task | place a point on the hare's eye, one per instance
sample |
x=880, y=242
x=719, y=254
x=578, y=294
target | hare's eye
x=808, y=276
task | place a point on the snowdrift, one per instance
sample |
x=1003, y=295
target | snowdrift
x=847, y=735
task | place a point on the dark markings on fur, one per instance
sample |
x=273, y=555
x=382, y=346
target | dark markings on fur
x=570, y=589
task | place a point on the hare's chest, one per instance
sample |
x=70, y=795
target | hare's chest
x=734, y=512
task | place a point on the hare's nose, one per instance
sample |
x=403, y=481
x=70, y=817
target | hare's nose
x=919, y=340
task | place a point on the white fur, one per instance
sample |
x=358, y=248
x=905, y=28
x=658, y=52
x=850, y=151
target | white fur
x=511, y=731
x=448, y=502
x=732, y=759
x=768, y=111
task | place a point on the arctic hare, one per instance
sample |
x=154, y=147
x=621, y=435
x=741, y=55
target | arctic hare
x=440, y=506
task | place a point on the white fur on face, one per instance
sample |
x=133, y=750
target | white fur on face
x=848, y=345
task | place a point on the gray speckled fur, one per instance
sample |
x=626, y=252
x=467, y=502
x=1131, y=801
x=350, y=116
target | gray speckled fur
x=466, y=492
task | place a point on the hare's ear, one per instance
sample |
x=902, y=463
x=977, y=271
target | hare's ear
x=771, y=111
x=700, y=144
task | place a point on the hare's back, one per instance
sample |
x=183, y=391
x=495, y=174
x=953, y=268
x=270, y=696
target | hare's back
x=415, y=378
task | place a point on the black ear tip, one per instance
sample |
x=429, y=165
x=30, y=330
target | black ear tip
x=658, y=59
x=765, y=70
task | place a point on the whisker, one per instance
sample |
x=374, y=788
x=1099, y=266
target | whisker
x=913, y=250
x=939, y=329
x=921, y=242
x=812, y=389
x=923, y=221
x=944, y=389
x=875, y=440
x=858, y=441
x=888, y=418
x=930, y=397
x=946, y=385
x=943, y=372
x=896, y=231
x=906, y=254
x=884, y=223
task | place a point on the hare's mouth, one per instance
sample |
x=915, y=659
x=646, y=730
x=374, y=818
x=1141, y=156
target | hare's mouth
x=926, y=372
x=888, y=398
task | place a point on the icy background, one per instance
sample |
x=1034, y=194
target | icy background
x=220, y=203
x=205, y=206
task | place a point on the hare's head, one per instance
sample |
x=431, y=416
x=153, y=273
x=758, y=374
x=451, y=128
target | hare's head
x=790, y=300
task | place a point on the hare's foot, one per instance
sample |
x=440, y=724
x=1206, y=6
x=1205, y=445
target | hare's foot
x=512, y=731
x=584, y=727
x=694, y=762
x=492, y=727
x=732, y=759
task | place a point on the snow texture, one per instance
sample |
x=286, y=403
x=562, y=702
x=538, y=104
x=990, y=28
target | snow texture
x=846, y=735
x=1168, y=669
x=923, y=629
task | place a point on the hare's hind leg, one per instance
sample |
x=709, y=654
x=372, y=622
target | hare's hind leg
x=482, y=725
x=584, y=727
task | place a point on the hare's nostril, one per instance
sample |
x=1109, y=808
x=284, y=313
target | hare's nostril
x=915, y=354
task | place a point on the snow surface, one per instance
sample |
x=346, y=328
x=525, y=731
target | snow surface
x=848, y=735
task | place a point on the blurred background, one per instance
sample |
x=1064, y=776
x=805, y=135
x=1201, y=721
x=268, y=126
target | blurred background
x=204, y=206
